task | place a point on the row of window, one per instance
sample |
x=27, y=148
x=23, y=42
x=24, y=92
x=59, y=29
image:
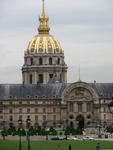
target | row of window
x=44, y=118
x=41, y=61
x=28, y=102
x=40, y=78
x=35, y=110
x=80, y=107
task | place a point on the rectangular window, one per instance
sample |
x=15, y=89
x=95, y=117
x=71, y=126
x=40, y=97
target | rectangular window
x=1, y=117
x=104, y=116
x=10, y=118
x=10, y=102
x=1, y=103
x=104, y=109
x=44, y=118
x=20, y=117
x=1, y=110
x=28, y=102
x=54, y=110
x=30, y=79
x=20, y=102
x=28, y=110
x=20, y=110
x=89, y=107
x=71, y=107
x=36, y=118
x=40, y=78
x=54, y=117
x=10, y=111
x=79, y=107
x=36, y=110
x=51, y=76
x=44, y=110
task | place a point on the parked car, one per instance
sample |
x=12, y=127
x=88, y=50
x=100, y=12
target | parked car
x=88, y=138
x=72, y=138
x=61, y=137
x=54, y=138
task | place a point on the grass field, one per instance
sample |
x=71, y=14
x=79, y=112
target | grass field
x=52, y=145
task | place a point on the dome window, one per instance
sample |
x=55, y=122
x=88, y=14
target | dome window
x=40, y=61
x=58, y=62
x=30, y=79
x=31, y=61
x=40, y=78
x=50, y=61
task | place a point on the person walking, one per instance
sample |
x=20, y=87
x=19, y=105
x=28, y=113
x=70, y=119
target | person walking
x=98, y=146
x=69, y=146
x=58, y=147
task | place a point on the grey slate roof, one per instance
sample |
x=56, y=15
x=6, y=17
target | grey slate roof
x=103, y=89
x=44, y=91
x=19, y=91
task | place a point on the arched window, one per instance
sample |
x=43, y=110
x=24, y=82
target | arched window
x=31, y=61
x=50, y=61
x=40, y=61
x=30, y=79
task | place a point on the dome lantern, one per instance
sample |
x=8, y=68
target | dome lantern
x=43, y=19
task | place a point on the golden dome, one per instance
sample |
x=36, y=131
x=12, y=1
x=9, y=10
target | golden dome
x=44, y=42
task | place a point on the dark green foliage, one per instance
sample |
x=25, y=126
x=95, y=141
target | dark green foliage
x=109, y=129
x=4, y=132
x=73, y=131
x=61, y=133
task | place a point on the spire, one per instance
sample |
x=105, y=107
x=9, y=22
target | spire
x=43, y=9
x=43, y=19
x=79, y=74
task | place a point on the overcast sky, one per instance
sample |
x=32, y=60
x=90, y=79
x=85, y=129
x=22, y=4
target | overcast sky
x=83, y=27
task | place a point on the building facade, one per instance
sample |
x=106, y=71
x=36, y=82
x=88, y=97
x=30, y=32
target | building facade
x=45, y=97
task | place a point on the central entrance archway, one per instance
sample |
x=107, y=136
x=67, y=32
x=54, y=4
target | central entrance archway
x=80, y=121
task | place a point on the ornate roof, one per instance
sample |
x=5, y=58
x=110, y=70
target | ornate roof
x=44, y=42
x=47, y=91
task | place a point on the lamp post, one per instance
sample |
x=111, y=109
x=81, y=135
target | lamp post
x=20, y=125
x=3, y=130
x=28, y=121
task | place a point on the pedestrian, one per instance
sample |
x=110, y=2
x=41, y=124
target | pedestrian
x=58, y=147
x=69, y=146
x=98, y=146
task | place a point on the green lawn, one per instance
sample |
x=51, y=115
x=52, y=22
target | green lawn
x=52, y=145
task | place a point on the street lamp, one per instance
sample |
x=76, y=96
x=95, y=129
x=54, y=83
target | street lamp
x=20, y=125
x=28, y=121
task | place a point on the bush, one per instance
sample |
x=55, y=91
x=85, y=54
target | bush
x=109, y=129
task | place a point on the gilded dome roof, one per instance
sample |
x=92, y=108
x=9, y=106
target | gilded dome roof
x=44, y=42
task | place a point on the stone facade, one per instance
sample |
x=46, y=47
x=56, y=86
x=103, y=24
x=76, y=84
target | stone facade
x=58, y=105
x=40, y=68
x=46, y=98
